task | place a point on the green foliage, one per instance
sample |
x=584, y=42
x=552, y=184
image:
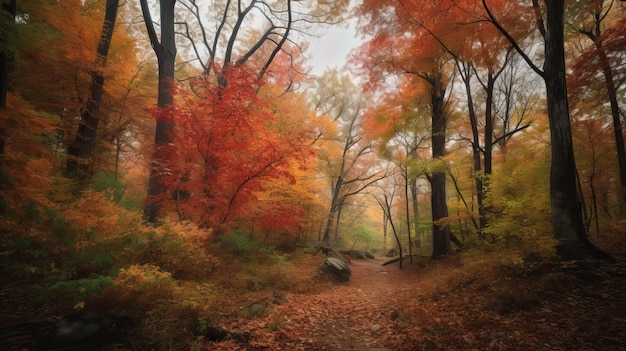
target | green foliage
x=237, y=244
x=170, y=312
x=274, y=255
x=104, y=183
x=365, y=236
x=252, y=311
x=165, y=248
x=520, y=204
x=79, y=289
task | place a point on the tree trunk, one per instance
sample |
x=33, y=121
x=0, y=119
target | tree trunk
x=416, y=217
x=395, y=233
x=441, y=233
x=79, y=163
x=6, y=56
x=408, y=213
x=488, y=158
x=478, y=173
x=337, y=220
x=334, y=204
x=166, y=57
x=566, y=208
x=384, y=232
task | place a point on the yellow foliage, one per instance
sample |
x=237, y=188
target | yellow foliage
x=137, y=277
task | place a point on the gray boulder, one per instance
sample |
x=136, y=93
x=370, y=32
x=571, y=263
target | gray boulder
x=336, y=269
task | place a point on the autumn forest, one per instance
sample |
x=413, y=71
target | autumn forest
x=179, y=175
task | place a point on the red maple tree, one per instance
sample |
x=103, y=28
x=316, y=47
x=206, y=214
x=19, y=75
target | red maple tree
x=225, y=153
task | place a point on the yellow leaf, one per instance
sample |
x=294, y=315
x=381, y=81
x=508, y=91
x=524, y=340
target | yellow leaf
x=79, y=305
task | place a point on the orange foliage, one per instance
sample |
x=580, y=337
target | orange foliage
x=227, y=149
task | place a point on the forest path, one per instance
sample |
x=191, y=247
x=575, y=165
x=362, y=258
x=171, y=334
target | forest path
x=468, y=302
x=360, y=314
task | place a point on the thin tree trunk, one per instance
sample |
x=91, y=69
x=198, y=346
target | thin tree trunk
x=333, y=209
x=478, y=172
x=413, y=183
x=79, y=153
x=408, y=213
x=384, y=233
x=337, y=223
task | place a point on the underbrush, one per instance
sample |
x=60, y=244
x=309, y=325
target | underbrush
x=507, y=281
x=174, y=280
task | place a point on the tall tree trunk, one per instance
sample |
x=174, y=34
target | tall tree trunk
x=166, y=56
x=441, y=233
x=416, y=217
x=6, y=56
x=79, y=153
x=384, y=232
x=488, y=158
x=408, y=213
x=566, y=207
x=478, y=172
x=337, y=220
x=334, y=205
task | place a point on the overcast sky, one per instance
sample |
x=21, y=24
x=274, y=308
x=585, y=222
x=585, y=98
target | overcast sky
x=332, y=48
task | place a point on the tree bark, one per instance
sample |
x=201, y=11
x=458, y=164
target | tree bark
x=79, y=153
x=165, y=51
x=334, y=204
x=416, y=224
x=488, y=158
x=566, y=207
x=408, y=213
x=441, y=233
x=6, y=56
x=478, y=172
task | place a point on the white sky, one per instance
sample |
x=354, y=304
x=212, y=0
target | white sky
x=331, y=50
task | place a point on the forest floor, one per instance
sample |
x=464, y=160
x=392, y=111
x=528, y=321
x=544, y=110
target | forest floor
x=464, y=302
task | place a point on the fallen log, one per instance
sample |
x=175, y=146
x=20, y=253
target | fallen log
x=404, y=258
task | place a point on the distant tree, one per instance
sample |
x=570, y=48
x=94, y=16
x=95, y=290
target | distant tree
x=606, y=56
x=345, y=161
x=385, y=201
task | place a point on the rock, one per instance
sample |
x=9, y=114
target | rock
x=338, y=255
x=336, y=269
x=359, y=255
x=376, y=327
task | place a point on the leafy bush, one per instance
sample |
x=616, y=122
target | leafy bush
x=236, y=244
x=104, y=183
x=170, y=313
x=179, y=248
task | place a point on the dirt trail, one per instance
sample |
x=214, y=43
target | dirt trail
x=453, y=304
x=355, y=315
